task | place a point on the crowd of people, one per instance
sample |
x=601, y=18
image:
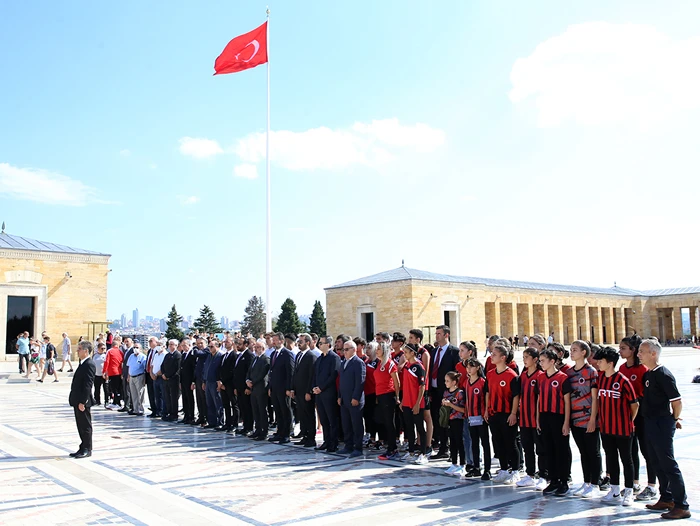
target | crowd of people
x=445, y=403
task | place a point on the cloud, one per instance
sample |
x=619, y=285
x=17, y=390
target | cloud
x=247, y=171
x=125, y=152
x=599, y=73
x=153, y=166
x=188, y=200
x=368, y=144
x=199, y=148
x=43, y=186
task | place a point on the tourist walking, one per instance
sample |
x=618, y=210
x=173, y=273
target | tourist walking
x=66, y=351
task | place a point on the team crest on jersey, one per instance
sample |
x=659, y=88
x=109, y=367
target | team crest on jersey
x=646, y=383
x=616, y=386
x=555, y=383
x=633, y=377
x=582, y=380
x=477, y=390
x=533, y=382
x=503, y=383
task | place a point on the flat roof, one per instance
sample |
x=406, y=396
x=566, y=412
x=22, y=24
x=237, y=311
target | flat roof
x=23, y=243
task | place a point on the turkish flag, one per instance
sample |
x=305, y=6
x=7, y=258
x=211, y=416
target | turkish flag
x=243, y=52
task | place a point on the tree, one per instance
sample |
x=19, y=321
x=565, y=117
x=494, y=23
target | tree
x=254, y=319
x=173, y=331
x=288, y=321
x=317, y=322
x=207, y=321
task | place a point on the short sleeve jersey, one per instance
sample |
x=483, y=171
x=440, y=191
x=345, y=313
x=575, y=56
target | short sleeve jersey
x=659, y=391
x=456, y=397
x=370, y=367
x=462, y=370
x=476, y=397
x=582, y=381
x=502, y=388
x=383, y=381
x=615, y=394
x=413, y=379
x=635, y=374
x=528, y=397
x=551, y=392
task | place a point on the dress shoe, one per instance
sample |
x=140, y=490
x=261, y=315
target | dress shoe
x=322, y=447
x=73, y=454
x=122, y=410
x=84, y=453
x=132, y=413
x=298, y=435
x=152, y=415
x=660, y=506
x=676, y=513
x=284, y=440
x=310, y=443
x=300, y=443
x=332, y=449
x=222, y=428
x=345, y=451
x=260, y=438
x=210, y=426
x=274, y=438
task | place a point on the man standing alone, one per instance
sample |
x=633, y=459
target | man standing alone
x=81, y=399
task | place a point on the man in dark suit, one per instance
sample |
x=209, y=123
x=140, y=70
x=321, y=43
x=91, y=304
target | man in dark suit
x=187, y=381
x=257, y=387
x=226, y=386
x=202, y=355
x=170, y=369
x=302, y=391
x=351, y=399
x=128, y=406
x=215, y=410
x=280, y=387
x=326, y=393
x=445, y=359
x=81, y=398
x=240, y=375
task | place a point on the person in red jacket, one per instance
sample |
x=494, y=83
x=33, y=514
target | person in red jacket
x=112, y=371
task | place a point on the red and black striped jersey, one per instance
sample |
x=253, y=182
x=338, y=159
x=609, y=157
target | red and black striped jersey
x=462, y=369
x=476, y=397
x=551, y=392
x=529, y=384
x=565, y=368
x=615, y=395
x=413, y=379
x=635, y=374
x=502, y=388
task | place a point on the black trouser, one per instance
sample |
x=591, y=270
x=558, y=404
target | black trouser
x=115, y=388
x=150, y=388
x=201, y=396
x=398, y=418
x=386, y=405
x=639, y=442
x=556, y=447
x=368, y=414
x=100, y=385
x=327, y=406
x=481, y=433
x=504, y=441
x=229, y=402
x=283, y=409
x=439, y=433
x=456, y=440
x=352, y=425
x=270, y=411
x=659, y=436
x=258, y=402
x=172, y=395
x=532, y=445
x=306, y=416
x=83, y=421
x=245, y=409
x=411, y=423
x=187, y=401
x=616, y=449
x=589, y=448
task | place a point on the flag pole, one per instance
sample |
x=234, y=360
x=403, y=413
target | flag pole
x=268, y=317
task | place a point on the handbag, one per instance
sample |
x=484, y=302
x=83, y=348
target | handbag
x=49, y=367
x=445, y=416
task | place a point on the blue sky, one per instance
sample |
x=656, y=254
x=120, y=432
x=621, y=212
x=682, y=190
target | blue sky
x=459, y=138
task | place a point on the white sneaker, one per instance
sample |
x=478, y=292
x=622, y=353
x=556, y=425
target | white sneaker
x=527, y=482
x=422, y=460
x=406, y=457
x=611, y=498
x=627, y=496
x=579, y=491
x=501, y=475
x=512, y=478
x=461, y=472
x=452, y=469
x=589, y=492
x=541, y=484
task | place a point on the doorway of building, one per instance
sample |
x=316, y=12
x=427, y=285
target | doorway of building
x=367, y=328
x=20, y=318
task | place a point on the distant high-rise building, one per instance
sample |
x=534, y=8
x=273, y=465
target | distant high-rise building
x=135, y=318
x=123, y=324
x=149, y=318
x=189, y=319
x=224, y=322
x=163, y=325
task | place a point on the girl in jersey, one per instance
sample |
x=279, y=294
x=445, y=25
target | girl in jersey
x=467, y=350
x=386, y=386
x=476, y=409
x=584, y=416
x=371, y=362
x=617, y=407
x=634, y=371
x=553, y=415
x=412, y=403
x=536, y=341
x=454, y=398
x=562, y=354
x=529, y=380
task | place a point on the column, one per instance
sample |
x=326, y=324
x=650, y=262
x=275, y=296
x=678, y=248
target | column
x=608, y=334
x=557, y=322
x=496, y=318
x=512, y=318
x=677, y=323
x=619, y=322
x=569, y=323
x=524, y=313
x=583, y=323
x=694, y=329
x=597, y=324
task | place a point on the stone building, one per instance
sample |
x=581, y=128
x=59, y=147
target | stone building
x=50, y=287
x=404, y=298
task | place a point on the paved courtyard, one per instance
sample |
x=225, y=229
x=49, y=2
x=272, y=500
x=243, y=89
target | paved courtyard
x=145, y=472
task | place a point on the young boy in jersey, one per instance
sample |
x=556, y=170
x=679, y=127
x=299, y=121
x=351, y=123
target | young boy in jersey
x=617, y=407
x=476, y=409
x=634, y=371
x=415, y=336
x=529, y=380
x=502, y=395
x=584, y=416
x=553, y=415
x=413, y=403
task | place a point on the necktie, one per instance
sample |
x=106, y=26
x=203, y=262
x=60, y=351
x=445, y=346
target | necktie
x=274, y=357
x=254, y=362
x=150, y=359
x=434, y=372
